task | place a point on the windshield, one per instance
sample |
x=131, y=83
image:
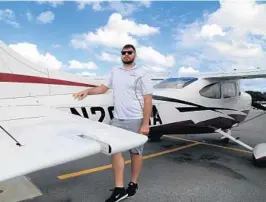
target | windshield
x=176, y=83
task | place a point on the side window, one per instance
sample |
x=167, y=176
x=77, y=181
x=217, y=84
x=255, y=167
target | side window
x=229, y=90
x=211, y=91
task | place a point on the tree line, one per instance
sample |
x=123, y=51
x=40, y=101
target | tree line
x=257, y=96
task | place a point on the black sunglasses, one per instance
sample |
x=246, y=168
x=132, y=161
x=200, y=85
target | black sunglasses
x=128, y=52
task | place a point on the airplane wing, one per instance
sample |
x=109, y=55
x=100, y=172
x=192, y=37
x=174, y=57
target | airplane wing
x=251, y=74
x=35, y=137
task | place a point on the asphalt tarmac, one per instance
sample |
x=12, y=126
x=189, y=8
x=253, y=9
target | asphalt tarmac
x=189, y=168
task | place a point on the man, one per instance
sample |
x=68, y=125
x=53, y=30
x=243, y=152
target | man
x=132, y=96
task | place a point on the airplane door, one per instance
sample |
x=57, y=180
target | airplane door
x=230, y=94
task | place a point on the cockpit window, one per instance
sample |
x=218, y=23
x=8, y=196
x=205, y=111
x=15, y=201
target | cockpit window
x=176, y=83
x=211, y=91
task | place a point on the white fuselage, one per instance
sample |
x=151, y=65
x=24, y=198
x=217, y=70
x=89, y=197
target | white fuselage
x=183, y=110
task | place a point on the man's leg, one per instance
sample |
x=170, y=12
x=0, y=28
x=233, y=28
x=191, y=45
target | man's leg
x=136, y=153
x=118, y=159
x=118, y=163
x=136, y=165
x=118, y=168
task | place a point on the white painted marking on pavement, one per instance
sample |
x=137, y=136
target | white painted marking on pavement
x=18, y=189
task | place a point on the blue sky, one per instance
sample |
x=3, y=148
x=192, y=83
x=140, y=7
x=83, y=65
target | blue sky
x=170, y=36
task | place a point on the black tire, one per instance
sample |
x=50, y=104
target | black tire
x=225, y=140
x=261, y=163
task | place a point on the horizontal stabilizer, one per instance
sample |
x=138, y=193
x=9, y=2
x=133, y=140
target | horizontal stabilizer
x=50, y=137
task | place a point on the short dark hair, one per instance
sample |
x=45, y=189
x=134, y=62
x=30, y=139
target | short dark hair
x=129, y=46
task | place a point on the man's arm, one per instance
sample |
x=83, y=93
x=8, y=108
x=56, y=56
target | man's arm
x=147, y=109
x=107, y=84
x=97, y=90
x=147, y=90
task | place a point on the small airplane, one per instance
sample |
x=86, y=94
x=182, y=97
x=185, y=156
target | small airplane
x=41, y=125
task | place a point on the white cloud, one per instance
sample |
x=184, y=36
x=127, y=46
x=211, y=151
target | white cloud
x=46, y=17
x=74, y=64
x=87, y=74
x=130, y=27
x=31, y=52
x=109, y=57
x=154, y=69
x=124, y=8
x=104, y=37
x=228, y=35
x=211, y=30
x=96, y=5
x=116, y=33
x=245, y=15
x=232, y=37
x=53, y=3
x=146, y=3
x=149, y=55
x=47, y=60
x=187, y=71
x=8, y=16
x=238, y=49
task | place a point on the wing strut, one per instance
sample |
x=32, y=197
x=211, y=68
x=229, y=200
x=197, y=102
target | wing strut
x=226, y=134
x=17, y=142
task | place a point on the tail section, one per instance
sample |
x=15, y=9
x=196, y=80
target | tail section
x=19, y=77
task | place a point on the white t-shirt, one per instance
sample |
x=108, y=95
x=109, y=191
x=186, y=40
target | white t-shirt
x=129, y=86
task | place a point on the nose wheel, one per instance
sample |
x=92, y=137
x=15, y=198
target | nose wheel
x=259, y=155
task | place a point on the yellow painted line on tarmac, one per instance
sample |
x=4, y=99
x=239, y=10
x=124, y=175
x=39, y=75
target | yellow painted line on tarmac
x=209, y=144
x=101, y=168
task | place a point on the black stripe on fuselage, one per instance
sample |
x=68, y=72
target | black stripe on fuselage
x=189, y=109
x=189, y=127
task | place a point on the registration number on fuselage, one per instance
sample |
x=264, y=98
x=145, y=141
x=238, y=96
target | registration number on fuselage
x=105, y=114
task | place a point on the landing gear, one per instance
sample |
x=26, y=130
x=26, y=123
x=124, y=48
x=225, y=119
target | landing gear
x=259, y=151
x=226, y=139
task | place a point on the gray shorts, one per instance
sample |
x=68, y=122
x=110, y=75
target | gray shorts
x=131, y=125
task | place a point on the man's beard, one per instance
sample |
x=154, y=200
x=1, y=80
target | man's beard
x=127, y=62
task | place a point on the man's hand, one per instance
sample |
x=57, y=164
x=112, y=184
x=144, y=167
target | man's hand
x=90, y=91
x=80, y=95
x=145, y=129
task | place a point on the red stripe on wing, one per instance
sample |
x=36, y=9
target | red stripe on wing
x=18, y=78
